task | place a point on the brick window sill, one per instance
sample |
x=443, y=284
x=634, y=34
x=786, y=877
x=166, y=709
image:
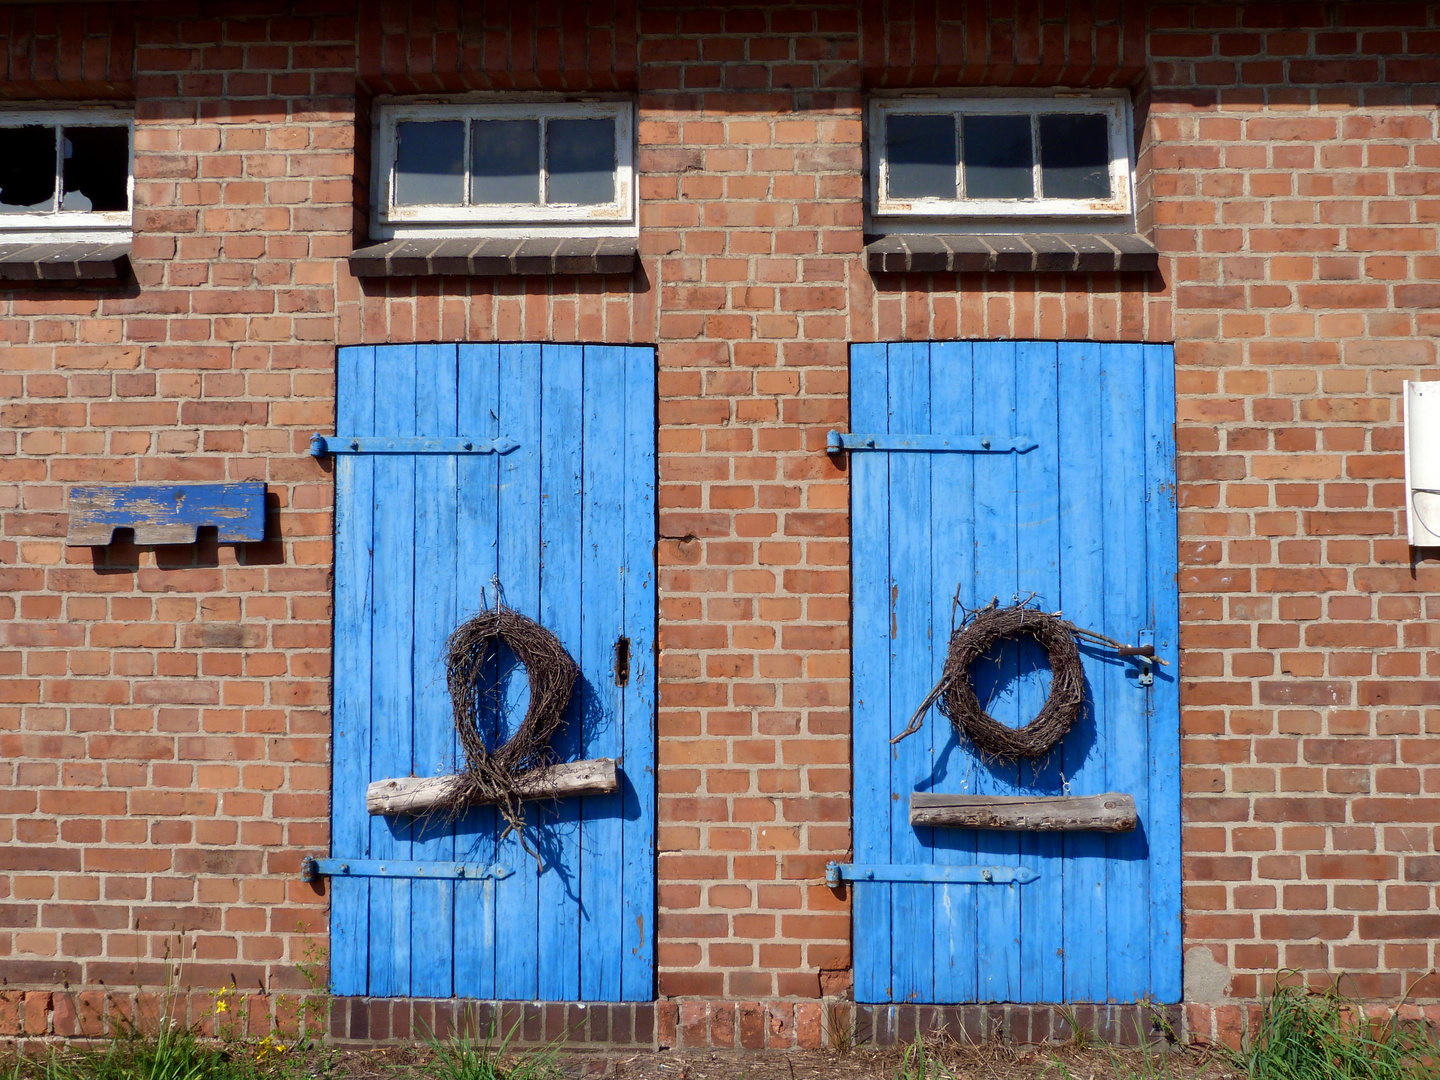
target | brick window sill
x=64, y=261
x=492, y=257
x=1010, y=253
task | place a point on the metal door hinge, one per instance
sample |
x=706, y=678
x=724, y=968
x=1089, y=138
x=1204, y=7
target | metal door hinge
x=320, y=445
x=922, y=873
x=837, y=441
x=312, y=868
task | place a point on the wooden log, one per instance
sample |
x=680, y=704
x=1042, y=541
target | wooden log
x=420, y=795
x=1111, y=812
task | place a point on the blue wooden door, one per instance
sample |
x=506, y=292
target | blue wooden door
x=565, y=524
x=1085, y=522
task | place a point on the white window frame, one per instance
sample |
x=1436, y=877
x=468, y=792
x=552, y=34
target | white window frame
x=496, y=219
x=72, y=225
x=1076, y=212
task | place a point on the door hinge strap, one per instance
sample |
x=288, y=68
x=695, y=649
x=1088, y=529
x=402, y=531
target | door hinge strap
x=311, y=868
x=320, y=445
x=922, y=873
x=837, y=441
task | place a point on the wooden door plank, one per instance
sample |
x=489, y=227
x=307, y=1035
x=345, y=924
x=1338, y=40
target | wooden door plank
x=392, y=650
x=1111, y=812
x=1038, y=553
x=349, y=827
x=870, y=672
x=602, y=599
x=952, y=530
x=517, y=958
x=562, y=375
x=432, y=903
x=637, y=921
x=998, y=907
x=476, y=563
x=910, y=641
x=1083, y=602
x=1162, y=568
x=1127, y=751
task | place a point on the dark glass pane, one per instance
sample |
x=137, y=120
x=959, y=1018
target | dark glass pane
x=920, y=151
x=505, y=161
x=96, y=169
x=580, y=157
x=1075, y=156
x=27, y=169
x=430, y=163
x=998, y=157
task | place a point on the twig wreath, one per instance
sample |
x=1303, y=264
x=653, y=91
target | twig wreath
x=979, y=632
x=491, y=774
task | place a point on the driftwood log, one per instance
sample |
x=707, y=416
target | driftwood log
x=1111, y=812
x=423, y=795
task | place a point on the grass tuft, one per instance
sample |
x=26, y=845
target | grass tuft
x=918, y=1062
x=173, y=1053
x=464, y=1057
x=1304, y=1035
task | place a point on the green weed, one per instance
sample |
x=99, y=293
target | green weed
x=464, y=1057
x=173, y=1053
x=918, y=1063
x=1304, y=1035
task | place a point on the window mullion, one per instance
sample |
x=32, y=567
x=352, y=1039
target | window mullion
x=1035, y=154
x=544, y=160
x=56, y=191
x=959, y=154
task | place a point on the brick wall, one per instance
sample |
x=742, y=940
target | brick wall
x=164, y=714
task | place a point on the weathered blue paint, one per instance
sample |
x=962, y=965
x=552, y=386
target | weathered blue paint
x=1085, y=521
x=566, y=525
x=166, y=513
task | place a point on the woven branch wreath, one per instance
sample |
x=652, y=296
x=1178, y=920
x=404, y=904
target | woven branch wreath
x=551, y=672
x=977, y=637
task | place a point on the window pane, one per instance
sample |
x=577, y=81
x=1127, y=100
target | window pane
x=95, y=169
x=1075, y=156
x=27, y=169
x=920, y=151
x=998, y=157
x=580, y=157
x=430, y=163
x=505, y=161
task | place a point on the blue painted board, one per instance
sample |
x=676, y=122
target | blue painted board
x=637, y=696
x=1082, y=576
x=1085, y=521
x=350, y=823
x=432, y=903
x=392, y=647
x=913, y=904
x=166, y=513
x=1163, y=709
x=870, y=672
x=952, y=538
x=562, y=527
x=601, y=823
x=1038, y=571
x=477, y=564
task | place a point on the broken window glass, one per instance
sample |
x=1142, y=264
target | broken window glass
x=580, y=160
x=999, y=160
x=1075, y=156
x=920, y=150
x=505, y=161
x=95, y=170
x=27, y=169
x=430, y=163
